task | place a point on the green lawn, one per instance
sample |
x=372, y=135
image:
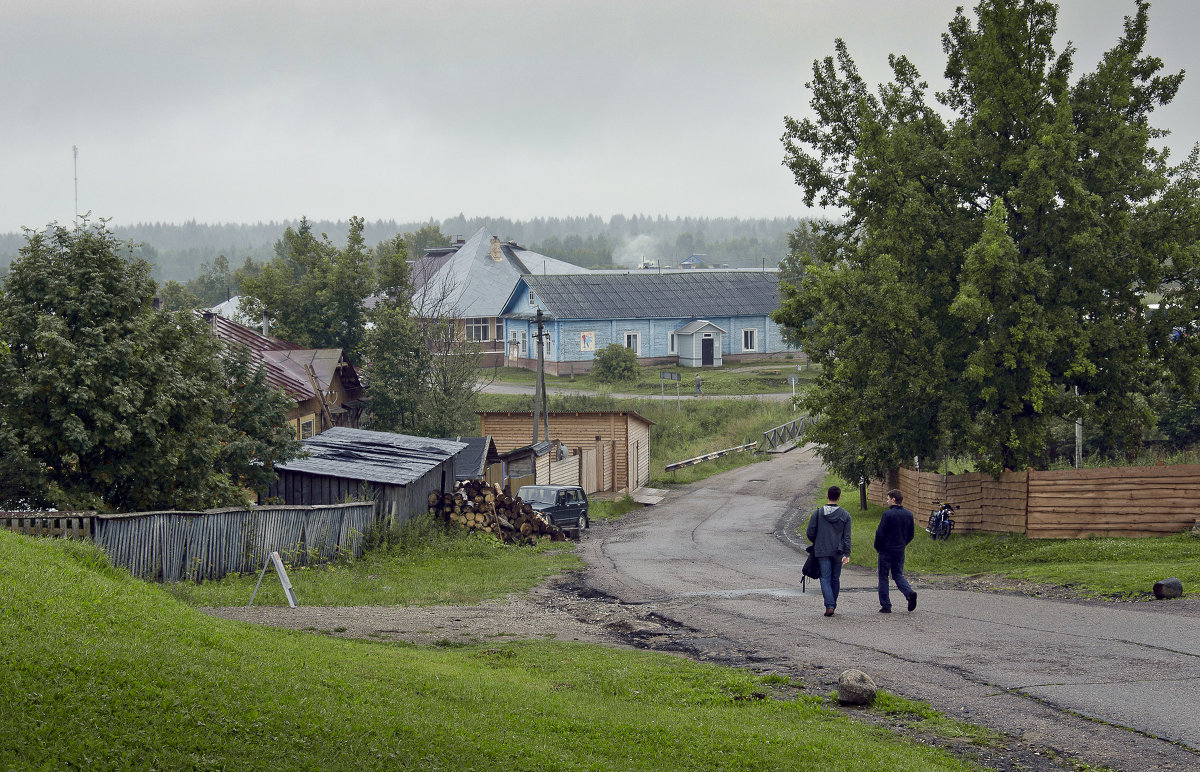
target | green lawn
x=105, y=672
x=758, y=377
x=426, y=565
x=1104, y=567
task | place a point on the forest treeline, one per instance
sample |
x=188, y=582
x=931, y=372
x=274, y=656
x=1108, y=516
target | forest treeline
x=181, y=251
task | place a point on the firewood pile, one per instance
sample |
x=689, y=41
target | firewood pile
x=480, y=506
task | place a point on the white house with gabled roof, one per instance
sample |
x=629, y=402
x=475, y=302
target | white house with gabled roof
x=471, y=280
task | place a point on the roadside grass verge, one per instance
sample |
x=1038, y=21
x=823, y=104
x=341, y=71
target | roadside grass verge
x=426, y=564
x=103, y=671
x=758, y=377
x=919, y=715
x=603, y=509
x=1098, y=566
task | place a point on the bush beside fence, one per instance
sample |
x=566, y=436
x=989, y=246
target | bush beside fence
x=1072, y=503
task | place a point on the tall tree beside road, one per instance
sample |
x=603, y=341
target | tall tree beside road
x=421, y=375
x=108, y=404
x=992, y=262
x=395, y=361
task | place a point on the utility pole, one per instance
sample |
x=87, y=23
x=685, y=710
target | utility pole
x=537, y=381
x=540, y=400
x=75, y=150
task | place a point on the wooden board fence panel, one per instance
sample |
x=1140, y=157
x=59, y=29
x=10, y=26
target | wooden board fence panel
x=565, y=472
x=1114, y=501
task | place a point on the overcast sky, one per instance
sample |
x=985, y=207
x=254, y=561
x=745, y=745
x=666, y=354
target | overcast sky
x=234, y=111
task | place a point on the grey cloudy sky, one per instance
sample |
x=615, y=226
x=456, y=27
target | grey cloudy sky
x=233, y=111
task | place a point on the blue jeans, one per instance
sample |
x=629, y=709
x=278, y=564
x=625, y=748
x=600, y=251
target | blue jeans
x=831, y=579
x=892, y=562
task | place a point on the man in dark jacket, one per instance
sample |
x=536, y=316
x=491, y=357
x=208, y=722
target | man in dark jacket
x=894, y=533
x=829, y=531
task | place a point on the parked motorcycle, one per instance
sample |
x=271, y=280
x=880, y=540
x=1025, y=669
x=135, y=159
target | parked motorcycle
x=941, y=523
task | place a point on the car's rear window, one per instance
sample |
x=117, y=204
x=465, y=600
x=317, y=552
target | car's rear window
x=536, y=495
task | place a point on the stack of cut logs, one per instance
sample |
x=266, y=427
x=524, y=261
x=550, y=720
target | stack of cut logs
x=480, y=506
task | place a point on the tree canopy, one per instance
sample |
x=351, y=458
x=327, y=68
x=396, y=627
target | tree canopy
x=111, y=405
x=314, y=291
x=987, y=281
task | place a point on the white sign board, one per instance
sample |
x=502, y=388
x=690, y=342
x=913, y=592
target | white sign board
x=274, y=558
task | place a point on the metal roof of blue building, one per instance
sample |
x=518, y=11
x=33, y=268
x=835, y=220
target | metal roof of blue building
x=644, y=295
x=377, y=457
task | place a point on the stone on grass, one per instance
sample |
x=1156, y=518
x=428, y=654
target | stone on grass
x=855, y=688
x=1168, y=588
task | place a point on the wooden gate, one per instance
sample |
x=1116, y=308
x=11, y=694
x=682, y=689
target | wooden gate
x=589, y=470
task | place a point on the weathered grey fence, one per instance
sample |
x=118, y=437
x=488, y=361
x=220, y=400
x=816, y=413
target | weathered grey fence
x=198, y=546
x=67, y=525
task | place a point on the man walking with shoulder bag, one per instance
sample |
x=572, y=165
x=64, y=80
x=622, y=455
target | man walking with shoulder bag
x=829, y=531
x=894, y=533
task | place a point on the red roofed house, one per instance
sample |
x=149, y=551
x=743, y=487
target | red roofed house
x=322, y=381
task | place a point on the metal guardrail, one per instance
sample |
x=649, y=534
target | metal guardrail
x=792, y=430
x=710, y=456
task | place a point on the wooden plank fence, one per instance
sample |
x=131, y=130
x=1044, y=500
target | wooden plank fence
x=1071, y=503
x=205, y=546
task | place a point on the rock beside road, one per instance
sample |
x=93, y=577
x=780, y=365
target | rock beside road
x=855, y=688
x=1168, y=588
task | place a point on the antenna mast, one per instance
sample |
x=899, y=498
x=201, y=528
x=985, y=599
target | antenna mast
x=75, y=150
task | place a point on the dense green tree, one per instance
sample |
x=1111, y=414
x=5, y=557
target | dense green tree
x=396, y=362
x=314, y=291
x=615, y=363
x=215, y=284
x=177, y=297
x=108, y=403
x=255, y=431
x=396, y=370
x=1018, y=194
x=426, y=237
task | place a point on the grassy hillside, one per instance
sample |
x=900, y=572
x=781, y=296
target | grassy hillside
x=105, y=672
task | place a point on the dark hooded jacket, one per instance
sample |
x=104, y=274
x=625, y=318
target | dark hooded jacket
x=829, y=531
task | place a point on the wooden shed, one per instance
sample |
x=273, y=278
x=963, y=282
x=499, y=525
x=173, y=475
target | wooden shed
x=699, y=344
x=614, y=444
x=477, y=459
x=397, y=471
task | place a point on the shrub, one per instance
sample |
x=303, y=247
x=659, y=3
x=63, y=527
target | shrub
x=614, y=362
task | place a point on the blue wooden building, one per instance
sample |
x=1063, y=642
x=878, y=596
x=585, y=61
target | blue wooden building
x=692, y=318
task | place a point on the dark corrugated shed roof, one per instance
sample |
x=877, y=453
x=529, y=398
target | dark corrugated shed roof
x=472, y=462
x=656, y=296
x=377, y=457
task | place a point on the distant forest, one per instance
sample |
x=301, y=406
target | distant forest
x=183, y=252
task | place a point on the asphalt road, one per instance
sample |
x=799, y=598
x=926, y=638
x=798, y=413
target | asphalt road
x=1112, y=684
